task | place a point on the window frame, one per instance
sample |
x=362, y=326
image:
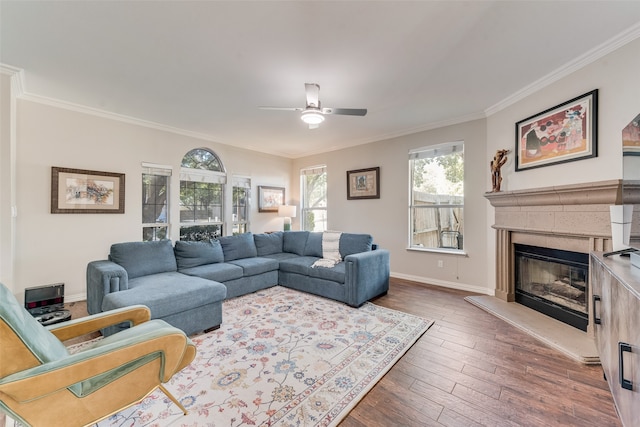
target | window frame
x=433, y=151
x=215, y=176
x=157, y=170
x=304, y=209
x=245, y=184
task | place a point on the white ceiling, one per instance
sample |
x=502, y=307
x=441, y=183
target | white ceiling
x=204, y=67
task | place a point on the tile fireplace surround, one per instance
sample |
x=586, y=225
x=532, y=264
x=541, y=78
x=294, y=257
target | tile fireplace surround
x=569, y=217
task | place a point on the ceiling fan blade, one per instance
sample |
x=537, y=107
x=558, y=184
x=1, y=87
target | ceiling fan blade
x=282, y=108
x=313, y=94
x=345, y=111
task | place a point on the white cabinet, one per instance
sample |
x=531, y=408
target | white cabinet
x=615, y=286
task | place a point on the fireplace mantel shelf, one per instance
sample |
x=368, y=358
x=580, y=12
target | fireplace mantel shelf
x=594, y=193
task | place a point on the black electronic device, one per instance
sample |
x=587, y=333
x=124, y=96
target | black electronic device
x=46, y=303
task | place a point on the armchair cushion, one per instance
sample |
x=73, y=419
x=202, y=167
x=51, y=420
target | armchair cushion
x=42, y=343
x=144, y=258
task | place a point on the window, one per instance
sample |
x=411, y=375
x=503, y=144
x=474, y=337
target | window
x=202, y=180
x=313, y=192
x=155, y=201
x=437, y=197
x=240, y=200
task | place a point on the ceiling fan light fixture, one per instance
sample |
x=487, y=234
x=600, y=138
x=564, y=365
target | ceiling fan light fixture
x=312, y=117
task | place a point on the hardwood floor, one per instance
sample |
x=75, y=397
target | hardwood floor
x=473, y=369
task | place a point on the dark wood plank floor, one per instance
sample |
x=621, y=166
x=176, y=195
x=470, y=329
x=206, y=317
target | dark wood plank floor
x=473, y=369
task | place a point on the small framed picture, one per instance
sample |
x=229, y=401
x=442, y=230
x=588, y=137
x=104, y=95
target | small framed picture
x=85, y=191
x=269, y=198
x=363, y=184
x=564, y=133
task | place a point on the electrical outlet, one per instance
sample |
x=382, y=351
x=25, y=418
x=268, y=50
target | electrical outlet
x=440, y=263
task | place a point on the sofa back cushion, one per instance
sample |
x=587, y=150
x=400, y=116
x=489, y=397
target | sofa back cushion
x=194, y=254
x=268, y=244
x=238, y=246
x=351, y=243
x=295, y=242
x=144, y=258
x=314, y=244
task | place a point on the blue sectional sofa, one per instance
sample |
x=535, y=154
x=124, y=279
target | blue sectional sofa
x=185, y=284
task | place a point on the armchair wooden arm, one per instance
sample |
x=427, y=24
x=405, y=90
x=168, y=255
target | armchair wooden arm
x=135, y=314
x=51, y=377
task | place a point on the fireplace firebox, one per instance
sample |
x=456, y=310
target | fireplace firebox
x=553, y=282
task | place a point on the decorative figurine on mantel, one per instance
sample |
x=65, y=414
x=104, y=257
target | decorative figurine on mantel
x=496, y=176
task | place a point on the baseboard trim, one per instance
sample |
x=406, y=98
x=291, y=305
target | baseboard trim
x=445, y=284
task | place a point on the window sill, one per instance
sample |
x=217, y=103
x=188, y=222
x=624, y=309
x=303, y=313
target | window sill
x=458, y=252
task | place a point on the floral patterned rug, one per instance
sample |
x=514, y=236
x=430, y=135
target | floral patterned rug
x=281, y=358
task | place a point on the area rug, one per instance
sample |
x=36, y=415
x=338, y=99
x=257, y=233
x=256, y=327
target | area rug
x=281, y=358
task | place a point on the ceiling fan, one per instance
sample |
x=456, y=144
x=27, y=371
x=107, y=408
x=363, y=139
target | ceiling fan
x=313, y=114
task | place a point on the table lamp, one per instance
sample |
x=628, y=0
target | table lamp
x=287, y=212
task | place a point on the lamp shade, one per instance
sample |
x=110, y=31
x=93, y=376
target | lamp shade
x=287, y=211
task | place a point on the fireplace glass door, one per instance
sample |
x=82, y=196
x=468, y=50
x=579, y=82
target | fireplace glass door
x=553, y=282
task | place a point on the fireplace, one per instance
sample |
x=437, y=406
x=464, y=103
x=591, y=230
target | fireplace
x=553, y=282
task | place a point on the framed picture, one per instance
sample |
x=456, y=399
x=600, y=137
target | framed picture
x=363, y=184
x=269, y=198
x=631, y=138
x=564, y=133
x=84, y=191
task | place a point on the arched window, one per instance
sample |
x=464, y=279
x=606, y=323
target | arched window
x=202, y=182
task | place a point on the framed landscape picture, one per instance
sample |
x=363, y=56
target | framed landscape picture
x=85, y=191
x=564, y=133
x=269, y=198
x=363, y=184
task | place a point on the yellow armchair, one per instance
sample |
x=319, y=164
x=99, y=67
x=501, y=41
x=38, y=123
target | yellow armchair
x=41, y=384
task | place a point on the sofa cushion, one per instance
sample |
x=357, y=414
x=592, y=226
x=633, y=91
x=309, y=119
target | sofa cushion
x=167, y=293
x=193, y=254
x=144, y=258
x=281, y=256
x=314, y=244
x=238, y=246
x=335, y=273
x=254, y=266
x=351, y=243
x=220, y=272
x=300, y=265
x=268, y=244
x=295, y=242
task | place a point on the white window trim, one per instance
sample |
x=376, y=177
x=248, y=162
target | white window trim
x=428, y=152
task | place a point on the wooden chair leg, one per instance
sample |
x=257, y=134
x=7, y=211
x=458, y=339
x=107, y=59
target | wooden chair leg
x=173, y=399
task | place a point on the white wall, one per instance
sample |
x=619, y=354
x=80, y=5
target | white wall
x=616, y=78
x=7, y=175
x=387, y=218
x=54, y=248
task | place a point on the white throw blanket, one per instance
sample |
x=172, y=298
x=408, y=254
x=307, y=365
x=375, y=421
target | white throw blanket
x=330, y=250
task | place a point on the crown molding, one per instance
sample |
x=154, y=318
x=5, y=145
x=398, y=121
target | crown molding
x=582, y=61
